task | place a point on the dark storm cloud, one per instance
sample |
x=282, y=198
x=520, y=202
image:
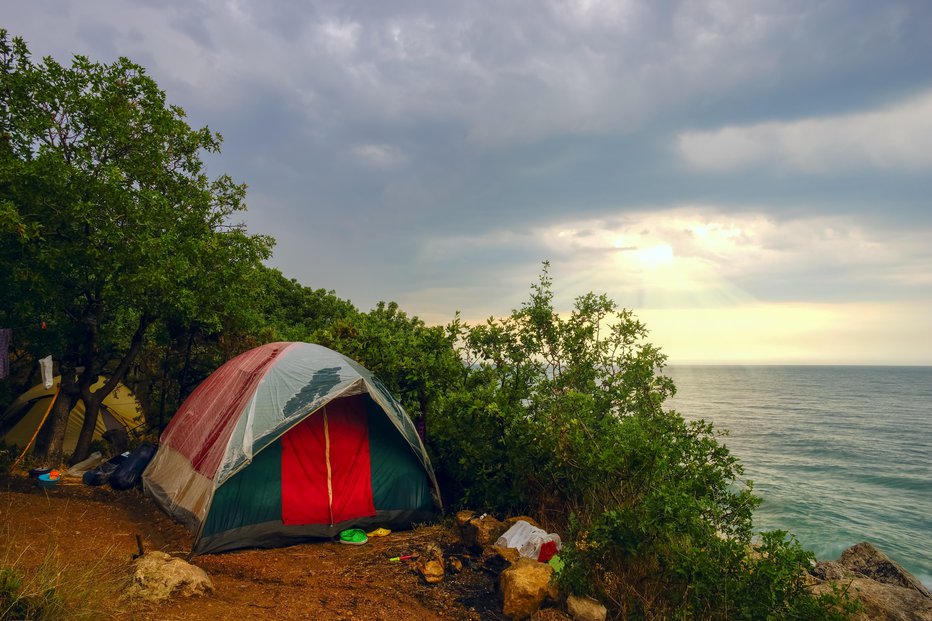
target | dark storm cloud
x=379, y=132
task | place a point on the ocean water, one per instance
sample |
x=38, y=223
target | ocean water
x=840, y=454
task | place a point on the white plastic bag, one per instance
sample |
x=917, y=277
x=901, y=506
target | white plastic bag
x=90, y=463
x=527, y=539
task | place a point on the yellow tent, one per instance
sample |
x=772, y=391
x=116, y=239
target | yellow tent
x=119, y=409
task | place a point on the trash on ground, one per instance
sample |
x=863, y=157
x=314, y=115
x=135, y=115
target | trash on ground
x=528, y=540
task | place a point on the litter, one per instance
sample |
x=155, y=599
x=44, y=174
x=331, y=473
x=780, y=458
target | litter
x=528, y=540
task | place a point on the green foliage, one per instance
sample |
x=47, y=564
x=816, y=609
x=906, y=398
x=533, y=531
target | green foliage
x=110, y=222
x=414, y=361
x=562, y=415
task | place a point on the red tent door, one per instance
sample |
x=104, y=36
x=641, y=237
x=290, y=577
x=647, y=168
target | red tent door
x=326, y=474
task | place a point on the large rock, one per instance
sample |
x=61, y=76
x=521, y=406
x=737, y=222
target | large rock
x=159, y=576
x=885, y=590
x=477, y=532
x=550, y=614
x=883, y=602
x=524, y=587
x=511, y=521
x=585, y=609
x=496, y=559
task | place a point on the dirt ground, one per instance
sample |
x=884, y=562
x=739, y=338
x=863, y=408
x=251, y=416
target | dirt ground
x=95, y=528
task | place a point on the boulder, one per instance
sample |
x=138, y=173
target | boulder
x=509, y=522
x=550, y=614
x=585, y=609
x=462, y=517
x=159, y=576
x=866, y=560
x=495, y=559
x=883, y=602
x=479, y=532
x=524, y=587
x=885, y=590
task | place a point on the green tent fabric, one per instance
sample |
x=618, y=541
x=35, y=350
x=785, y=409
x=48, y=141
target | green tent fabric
x=290, y=442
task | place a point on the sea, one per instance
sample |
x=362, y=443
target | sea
x=839, y=454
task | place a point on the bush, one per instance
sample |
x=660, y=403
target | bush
x=564, y=417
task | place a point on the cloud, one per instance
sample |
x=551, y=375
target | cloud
x=379, y=155
x=892, y=138
x=695, y=257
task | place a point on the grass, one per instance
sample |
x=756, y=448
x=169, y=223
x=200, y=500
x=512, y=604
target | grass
x=42, y=585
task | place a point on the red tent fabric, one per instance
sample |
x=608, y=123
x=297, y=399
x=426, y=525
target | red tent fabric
x=326, y=474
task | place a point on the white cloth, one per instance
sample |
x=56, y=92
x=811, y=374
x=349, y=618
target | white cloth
x=45, y=365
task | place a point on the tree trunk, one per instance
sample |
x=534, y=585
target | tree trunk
x=92, y=400
x=91, y=414
x=58, y=420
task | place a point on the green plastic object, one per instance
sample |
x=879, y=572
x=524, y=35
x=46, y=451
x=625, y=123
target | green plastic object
x=557, y=563
x=353, y=536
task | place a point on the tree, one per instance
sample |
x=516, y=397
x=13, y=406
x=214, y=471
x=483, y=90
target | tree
x=111, y=224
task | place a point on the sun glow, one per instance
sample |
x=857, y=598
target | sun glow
x=655, y=256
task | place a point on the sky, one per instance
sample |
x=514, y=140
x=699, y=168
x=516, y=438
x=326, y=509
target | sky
x=753, y=179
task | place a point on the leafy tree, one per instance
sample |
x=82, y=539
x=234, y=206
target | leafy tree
x=179, y=355
x=110, y=223
x=415, y=361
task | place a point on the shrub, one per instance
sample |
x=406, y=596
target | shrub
x=564, y=416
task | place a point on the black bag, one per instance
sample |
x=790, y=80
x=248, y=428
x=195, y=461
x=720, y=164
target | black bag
x=128, y=473
x=100, y=474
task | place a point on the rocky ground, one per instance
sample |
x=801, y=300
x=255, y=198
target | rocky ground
x=87, y=538
x=92, y=531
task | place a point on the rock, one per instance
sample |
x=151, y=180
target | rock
x=431, y=571
x=159, y=576
x=524, y=587
x=430, y=563
x=509, y=522
x=479, y=532
x=454, y=564
x=883, y=602
x=585, y=609
x=550, y=614
x=885, y=590
x=866, y=560
x=495, y=559
x=462, y=517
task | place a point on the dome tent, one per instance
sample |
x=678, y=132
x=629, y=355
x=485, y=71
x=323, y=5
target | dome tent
x=119, y=410
x=289, y=442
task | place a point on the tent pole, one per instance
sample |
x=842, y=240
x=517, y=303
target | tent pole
x=33, y=439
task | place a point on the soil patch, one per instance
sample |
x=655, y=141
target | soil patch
x=96, y=527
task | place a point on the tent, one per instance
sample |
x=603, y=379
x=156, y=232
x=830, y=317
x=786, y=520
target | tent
x=18, y=424
x=290, y=442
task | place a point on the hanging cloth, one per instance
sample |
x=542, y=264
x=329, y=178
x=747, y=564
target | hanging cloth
x=45, y=365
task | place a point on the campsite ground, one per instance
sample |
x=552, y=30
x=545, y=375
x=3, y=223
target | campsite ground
x=91, y=532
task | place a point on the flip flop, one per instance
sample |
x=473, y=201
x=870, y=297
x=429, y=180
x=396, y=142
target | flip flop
x=379, y=532
x=353, y=537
